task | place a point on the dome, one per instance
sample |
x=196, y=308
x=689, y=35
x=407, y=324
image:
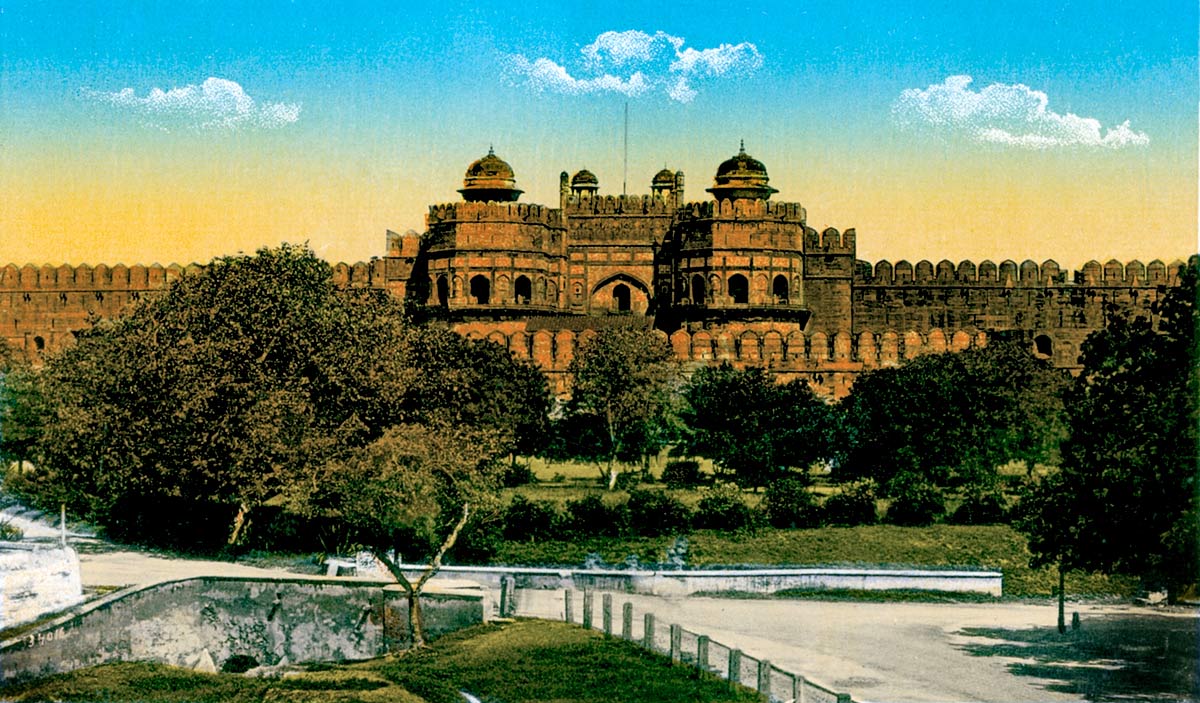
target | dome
x=584, y=178
x=664, y=177
x=490, y=179
x=741, y=177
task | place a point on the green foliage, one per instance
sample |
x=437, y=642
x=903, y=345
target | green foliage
x=10, y=532
x=592, y=516
x=982, y=505
x=238, y=664
x=853, y=505
x=751, y=426
x=620, y=406
x=723, y=507
x=238, y=383
x=915, y=501
x=953, y=418
x=531, y=521
x=682, y=473
x=1126, y=496
x=653, y=513
x=788, y=504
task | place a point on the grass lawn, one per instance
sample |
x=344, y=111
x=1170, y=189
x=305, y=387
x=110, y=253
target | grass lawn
x=985, y=546
x=521, y=661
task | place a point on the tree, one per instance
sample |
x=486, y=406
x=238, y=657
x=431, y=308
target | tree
x=751, y=426
x=621, y=395
x=952, y=418
x=413, y=490
x=1125, y=498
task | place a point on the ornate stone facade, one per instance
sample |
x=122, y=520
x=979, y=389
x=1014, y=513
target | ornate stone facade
x=737, y=277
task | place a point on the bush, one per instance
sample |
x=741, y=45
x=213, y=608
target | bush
x=915, y=502
x=788, y=504
x=10, y=532
x=478, y=543
x=682, y=474
x=239, y=664
x=723, y=508
x=854, y=505
x=591, y=516
x=981, y=507
x=627, y=480
x=529, y=521
x=654, y=513
x=518, y=475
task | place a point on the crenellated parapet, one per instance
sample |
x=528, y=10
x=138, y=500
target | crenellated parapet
x=521, y=213
x=1010, y=274
x=744, y=209
x=584, y=205
x=30, y=278
x=829, y=241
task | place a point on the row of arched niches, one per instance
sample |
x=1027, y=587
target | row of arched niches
x=1008, y=272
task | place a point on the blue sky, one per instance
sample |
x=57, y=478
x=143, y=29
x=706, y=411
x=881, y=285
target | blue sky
x=356, y=115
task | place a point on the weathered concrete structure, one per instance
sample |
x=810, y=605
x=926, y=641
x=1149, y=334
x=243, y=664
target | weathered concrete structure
x=737, y=277
x=203, y=622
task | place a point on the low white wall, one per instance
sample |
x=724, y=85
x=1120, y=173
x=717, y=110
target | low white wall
x=35, y=580
x=761, y=581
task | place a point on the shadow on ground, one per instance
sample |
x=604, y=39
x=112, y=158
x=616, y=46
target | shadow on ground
x=1109, y=658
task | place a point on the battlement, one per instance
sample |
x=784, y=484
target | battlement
x=357, y=275
x=1008, y=273
x=87, y=277
x=757, y=209
x=619, y=205
x=519, y=213
x=829, y=241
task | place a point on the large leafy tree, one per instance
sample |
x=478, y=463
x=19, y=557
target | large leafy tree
x=621, y=396
x=751, y=426
x=409, y=492
x=176, y=422
x=1125, y=498
x=952, y=418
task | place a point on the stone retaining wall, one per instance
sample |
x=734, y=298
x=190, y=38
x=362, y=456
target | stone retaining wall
x=203, y=622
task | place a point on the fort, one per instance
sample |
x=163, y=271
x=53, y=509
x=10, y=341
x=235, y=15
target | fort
x=737, y=277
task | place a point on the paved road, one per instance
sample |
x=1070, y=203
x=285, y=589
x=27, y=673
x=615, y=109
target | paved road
x=875, y=651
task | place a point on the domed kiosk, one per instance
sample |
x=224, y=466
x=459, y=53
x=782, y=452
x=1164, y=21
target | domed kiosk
x=490, y=179
x=585, y=182
x=741, y=177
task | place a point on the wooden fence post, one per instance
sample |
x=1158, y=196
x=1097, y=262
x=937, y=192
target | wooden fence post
x=588, y=597
x=648, y=631
x=568, y=605
x=606, y=612
x=676, y=642
x=702, y=651
x=735, y=666
x=764, y=677
x=627, y=621
x=799, y=694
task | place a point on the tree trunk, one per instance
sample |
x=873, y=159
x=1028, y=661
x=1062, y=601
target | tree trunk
x=1062, y=619
x=239, y=523
x=416, y=622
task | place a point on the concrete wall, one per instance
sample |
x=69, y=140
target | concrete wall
x=193, y=621
x=35, y=580
x=761, y=581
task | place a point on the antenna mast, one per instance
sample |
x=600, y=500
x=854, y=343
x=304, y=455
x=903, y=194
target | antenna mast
x=625, y=165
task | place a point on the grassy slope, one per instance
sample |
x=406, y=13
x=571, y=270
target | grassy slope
x=521, y=661
x=992, y=546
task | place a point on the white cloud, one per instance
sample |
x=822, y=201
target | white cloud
x=215, y=104
x=1013, y=115
x=633, y=62
x=544, y=74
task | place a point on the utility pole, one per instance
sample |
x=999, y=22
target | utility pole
x=625, y=166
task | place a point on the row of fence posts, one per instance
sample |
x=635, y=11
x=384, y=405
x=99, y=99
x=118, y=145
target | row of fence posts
x=801, y=690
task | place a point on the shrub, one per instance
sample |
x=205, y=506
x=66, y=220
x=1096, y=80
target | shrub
x=10, y=532
x=478, y=543
x=788, y=503
x=915, y=501
x=981, y=507
x=239, y=664
x=854, y=505
x=518, y=474
x=529, y=521
x=591, y=516
x=654, y=513
x=682, y=474
x=723, y=508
